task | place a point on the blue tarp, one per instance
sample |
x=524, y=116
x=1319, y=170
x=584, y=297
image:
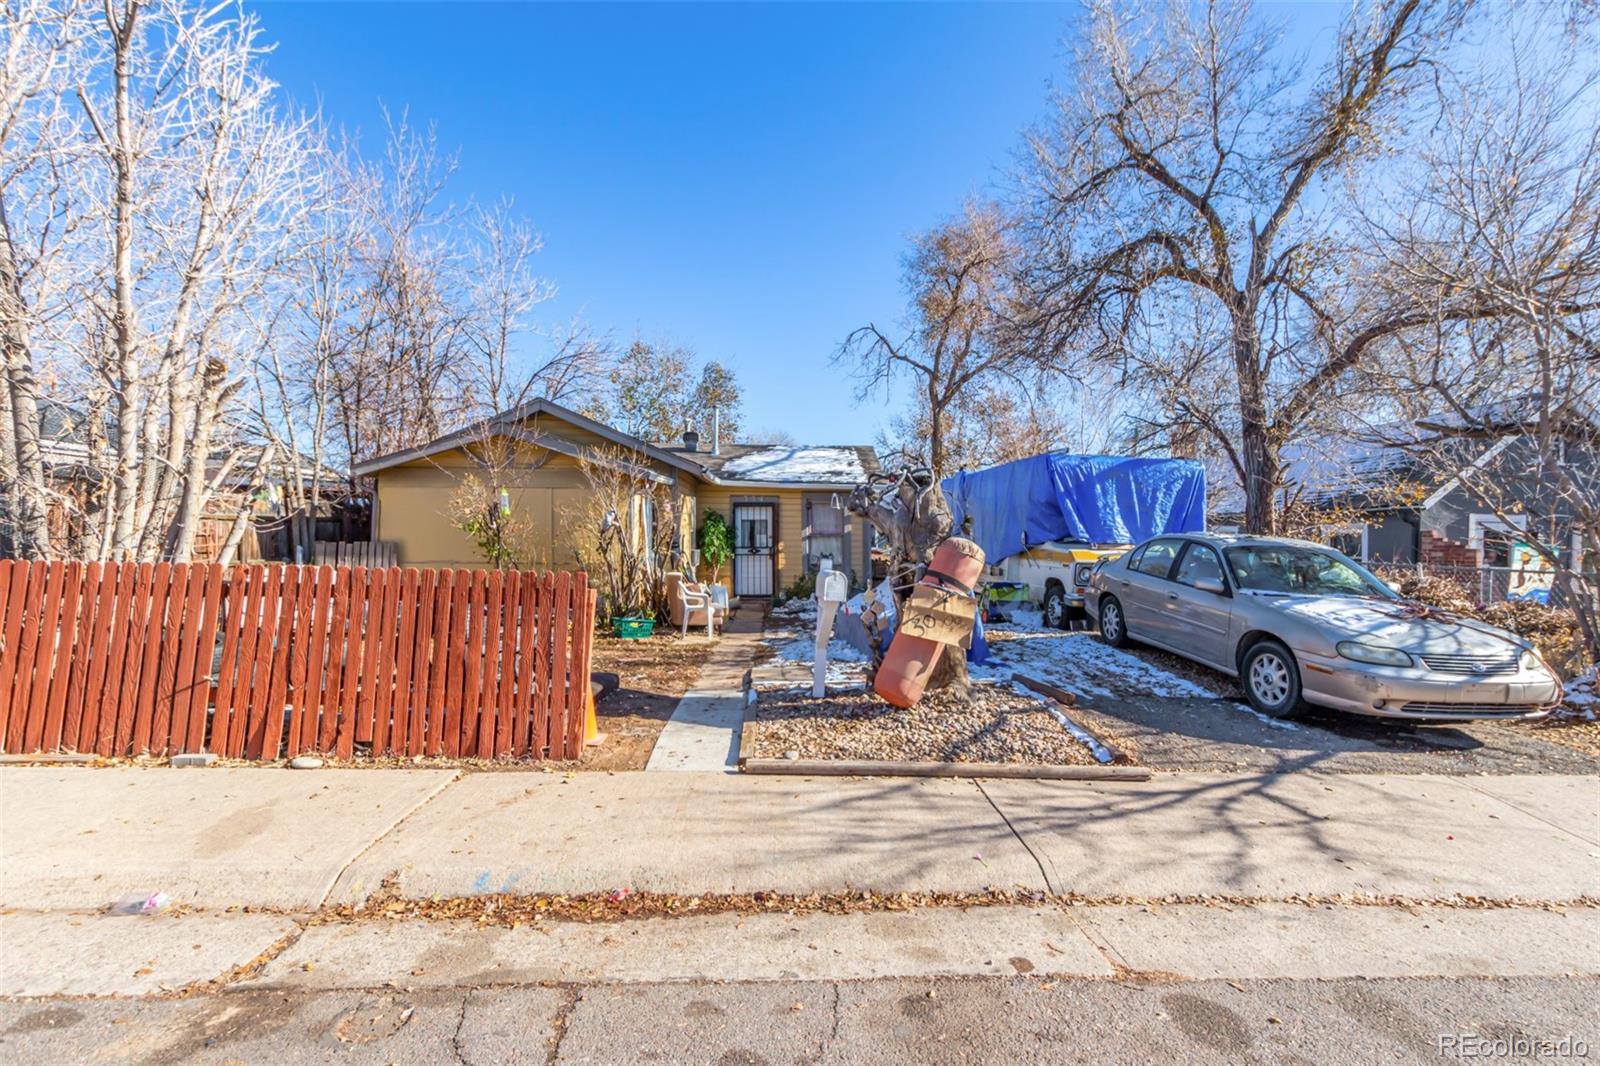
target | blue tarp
x=1100, y=499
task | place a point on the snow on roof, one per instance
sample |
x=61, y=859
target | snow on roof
x=824, y=465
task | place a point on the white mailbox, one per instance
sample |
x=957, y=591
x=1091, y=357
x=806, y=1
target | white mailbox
x=833, y=588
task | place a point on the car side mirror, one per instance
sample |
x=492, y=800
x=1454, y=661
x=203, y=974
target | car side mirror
x=1212, y=585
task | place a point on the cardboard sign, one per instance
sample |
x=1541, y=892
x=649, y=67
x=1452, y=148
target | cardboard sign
x=943, y=616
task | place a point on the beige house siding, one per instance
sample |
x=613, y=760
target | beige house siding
x=548, y=488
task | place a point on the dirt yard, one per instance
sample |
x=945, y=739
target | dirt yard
x=652, y=674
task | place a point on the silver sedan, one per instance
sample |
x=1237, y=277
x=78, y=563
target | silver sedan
x=1299, y=623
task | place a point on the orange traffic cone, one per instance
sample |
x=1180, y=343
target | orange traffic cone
x=591, y=728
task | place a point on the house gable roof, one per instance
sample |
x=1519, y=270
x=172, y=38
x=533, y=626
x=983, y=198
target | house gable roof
x=823, y=467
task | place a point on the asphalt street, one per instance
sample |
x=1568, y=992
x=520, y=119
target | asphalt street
x=924, y=1021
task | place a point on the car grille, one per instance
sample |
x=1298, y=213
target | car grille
x=1446, y=710
x=1471, y=665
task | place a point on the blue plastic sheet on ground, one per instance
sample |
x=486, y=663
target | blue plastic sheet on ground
x=1100, y=499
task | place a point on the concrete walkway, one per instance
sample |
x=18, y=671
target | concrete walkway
x=78, y=838
x=703, y=733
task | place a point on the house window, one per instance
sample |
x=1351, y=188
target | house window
x=825, y=530
x=1350, y=540
x=1496, y=536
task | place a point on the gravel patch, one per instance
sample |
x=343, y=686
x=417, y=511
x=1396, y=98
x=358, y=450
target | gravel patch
x=993, y=724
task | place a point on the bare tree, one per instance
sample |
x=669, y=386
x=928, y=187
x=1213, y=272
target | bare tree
x=138, y=232
x=1186, y=164
x=959, y=277
x=1502, y=208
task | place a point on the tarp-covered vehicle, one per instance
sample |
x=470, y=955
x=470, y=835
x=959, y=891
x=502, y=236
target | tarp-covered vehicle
x=1044, y=522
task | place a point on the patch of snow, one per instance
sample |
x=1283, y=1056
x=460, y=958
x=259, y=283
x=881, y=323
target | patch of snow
x=824, y=465
x=990, y=673
x=1024, y=618
x=1101, y=753
x=1266, y=719
x=1086, y=665
x=803, y=649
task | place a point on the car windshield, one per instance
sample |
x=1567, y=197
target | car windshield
x=1287, y=568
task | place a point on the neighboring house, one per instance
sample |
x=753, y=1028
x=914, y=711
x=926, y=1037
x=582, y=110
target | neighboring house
x=65, y=447
x=784, y=504
x=1385, y=505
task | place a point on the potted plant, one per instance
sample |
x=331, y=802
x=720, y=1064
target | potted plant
x=715, y=541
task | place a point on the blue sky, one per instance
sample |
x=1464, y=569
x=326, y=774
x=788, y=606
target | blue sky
x=738, y=179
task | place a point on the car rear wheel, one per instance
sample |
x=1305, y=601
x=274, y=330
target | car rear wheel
x=1055, y=608
x=1271, y=679
x=1113, y=623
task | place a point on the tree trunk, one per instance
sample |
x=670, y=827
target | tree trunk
x=21, y=461
x=1258, y=454
x=130, y=392
x=915, y=521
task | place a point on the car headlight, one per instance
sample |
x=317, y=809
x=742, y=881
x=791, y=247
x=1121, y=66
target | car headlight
x=1372, y=653
x=1530, y=660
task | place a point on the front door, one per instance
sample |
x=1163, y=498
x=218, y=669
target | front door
x=752, y=549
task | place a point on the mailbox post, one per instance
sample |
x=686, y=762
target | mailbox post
x=833, y=588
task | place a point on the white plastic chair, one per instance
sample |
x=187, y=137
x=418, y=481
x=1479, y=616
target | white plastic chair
x=695, y=597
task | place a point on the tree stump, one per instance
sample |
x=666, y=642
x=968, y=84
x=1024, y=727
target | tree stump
x=909, y=510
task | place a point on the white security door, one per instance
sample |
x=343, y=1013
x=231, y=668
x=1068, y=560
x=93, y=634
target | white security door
x=752, y=549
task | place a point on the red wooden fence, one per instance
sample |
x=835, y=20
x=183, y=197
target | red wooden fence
x=261, y=661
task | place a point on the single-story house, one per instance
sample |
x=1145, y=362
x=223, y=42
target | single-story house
x=784, y=504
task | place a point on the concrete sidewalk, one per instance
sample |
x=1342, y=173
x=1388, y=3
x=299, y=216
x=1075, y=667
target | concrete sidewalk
x=703, y=732
x=77, y=838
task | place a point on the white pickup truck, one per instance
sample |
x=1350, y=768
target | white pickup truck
x=1054, y=577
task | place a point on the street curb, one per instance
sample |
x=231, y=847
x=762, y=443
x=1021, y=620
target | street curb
x=891, y=768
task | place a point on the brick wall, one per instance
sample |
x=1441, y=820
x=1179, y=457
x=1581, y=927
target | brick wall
x=1439, y=551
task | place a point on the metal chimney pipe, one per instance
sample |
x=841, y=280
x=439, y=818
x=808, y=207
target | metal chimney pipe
x=716, y=429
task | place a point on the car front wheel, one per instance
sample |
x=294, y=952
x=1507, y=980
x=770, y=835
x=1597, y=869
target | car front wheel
x=1113, y=625
x=1055, y=608
x=1271, y=679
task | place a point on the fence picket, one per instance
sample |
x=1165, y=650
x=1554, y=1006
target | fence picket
x=13, y=582
x=421, y=648
x=120, y=698
x=456, y=659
